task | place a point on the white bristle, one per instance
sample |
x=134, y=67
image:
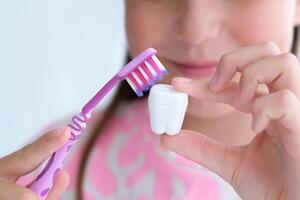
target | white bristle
x=132, y=85
x=158, y=63
x=136, y=77
x=140, y=74
x=153, y=72
x=144, y=75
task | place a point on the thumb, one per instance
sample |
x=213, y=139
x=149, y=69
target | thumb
x=11, y=191
x=220, y=158
x=31, y=156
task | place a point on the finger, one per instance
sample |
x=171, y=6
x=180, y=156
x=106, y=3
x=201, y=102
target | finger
x=10, y=191
x=200, y=90
x=234, y=62
x=31, y=156
x=281, y=106
x=223, y=160
x=60, y=184
x=279, y=72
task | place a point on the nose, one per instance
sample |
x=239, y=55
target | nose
x=197, y=22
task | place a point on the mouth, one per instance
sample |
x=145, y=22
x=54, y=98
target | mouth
x=196, y=69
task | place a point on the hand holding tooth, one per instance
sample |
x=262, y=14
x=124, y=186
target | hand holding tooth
x=267, y=167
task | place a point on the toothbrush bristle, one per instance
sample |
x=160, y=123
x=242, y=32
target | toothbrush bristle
x=142, y=78
x=160, y=66
x=154, y=66
x=155, y=74
x=146, y=78
x=147, y=74
x=134, y=87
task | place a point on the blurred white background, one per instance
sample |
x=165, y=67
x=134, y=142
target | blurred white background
x=54, y=56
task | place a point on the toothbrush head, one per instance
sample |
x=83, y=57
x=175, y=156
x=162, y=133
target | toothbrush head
x=143, y=72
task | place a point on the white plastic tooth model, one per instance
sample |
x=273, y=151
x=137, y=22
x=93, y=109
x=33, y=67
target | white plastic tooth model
x=167, y=108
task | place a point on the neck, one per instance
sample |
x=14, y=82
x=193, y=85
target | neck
x=233, y=128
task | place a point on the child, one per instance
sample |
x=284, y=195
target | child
x=244, y=92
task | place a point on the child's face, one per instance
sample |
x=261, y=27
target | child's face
x=193, y=34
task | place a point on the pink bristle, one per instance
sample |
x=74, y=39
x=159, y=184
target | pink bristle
x=141, y=76
x=147, y=71
x=145, y=76
x=134, y=81
x=154, y=66
x=139, y=81
x=156, y=75
x=143, y=72
x=159, y=65
x=135, y=89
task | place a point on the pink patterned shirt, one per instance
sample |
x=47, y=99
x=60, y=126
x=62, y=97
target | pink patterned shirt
x=127, y=163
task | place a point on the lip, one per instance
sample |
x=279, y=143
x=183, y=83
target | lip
x=196, y=69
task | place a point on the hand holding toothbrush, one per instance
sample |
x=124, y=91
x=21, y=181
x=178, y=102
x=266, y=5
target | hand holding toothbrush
x=141, y=73
x=28, y=159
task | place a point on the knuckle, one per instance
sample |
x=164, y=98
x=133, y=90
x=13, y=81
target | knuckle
x=289, y=59
x=285, y=98
x=271, y=47
x=249, y=72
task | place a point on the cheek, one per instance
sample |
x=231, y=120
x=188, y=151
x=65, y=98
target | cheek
x=261, y=23
x=143, y=27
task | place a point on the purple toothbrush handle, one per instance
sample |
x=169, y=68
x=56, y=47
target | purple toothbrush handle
x=89, y=106
x=44, y=182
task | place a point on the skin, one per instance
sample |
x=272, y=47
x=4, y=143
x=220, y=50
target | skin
x=28, y=159
x=254, y=94
x=203, y=31
x=233, y=33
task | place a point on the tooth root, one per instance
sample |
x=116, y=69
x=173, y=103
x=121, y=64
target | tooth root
x=167, y=108
x=157, y=119
x=174, y=122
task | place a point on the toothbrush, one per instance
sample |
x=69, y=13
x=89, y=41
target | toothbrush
x=141, y=73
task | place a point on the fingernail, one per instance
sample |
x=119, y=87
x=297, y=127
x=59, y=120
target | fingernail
x=183, y=80
x=214, y=79
x=61, y=132
x=58, y=132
